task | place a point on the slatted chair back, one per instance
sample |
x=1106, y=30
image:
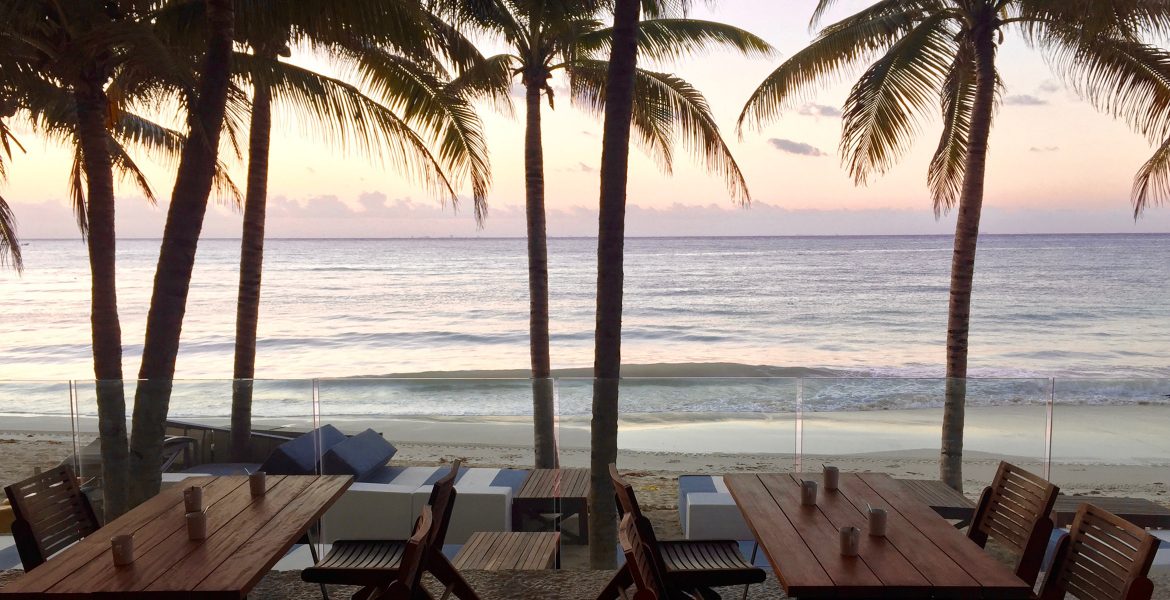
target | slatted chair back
x=50, y=513
x=644, y=562
x=1104, y=557
x=624, y=493
x=442, y=503
x=1014, y=511
x=408, y=584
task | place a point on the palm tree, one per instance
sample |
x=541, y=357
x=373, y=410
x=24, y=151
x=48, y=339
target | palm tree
x=77, y=71
x=403, y=73
x=568, y=37
x=923, y=51
x=607, y=362
x=172, y=281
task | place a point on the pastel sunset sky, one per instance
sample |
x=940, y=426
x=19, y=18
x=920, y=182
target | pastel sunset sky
x=1056, y=165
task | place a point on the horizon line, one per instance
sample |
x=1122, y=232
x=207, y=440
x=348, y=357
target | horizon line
x=640, y=237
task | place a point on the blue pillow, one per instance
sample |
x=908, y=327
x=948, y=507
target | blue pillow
x=298, y=456
x=361, y=455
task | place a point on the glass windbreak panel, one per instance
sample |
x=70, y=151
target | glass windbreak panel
x=895, y=426
x=1111, y=437
x=870, y=424
x=195, y=419
x=419, y=427
x=1005, y=420
x=38, y=429
x=675, y=440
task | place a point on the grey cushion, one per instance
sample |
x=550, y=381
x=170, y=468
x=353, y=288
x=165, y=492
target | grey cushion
x=361, y=455
x=298, y=456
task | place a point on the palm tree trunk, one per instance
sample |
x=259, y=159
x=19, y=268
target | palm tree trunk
x=251, y=264
x=607, y=353
x=172, y=279
x=542, y=393
x=106, y=330
x=963, y=261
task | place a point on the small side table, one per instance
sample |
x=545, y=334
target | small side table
x=510, y=551
x=555, y=493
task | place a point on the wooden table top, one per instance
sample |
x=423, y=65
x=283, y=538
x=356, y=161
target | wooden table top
x=555, y=483
x=245, y=537
x=921, y=556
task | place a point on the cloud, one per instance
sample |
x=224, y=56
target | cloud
x=819, y=110
x=1024, y=100
x=800, y=148
x=1049, y=86
x=1044, y=149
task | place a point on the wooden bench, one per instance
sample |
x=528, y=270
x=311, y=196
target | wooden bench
x=942, y=498
x=1139, y=511
x=509, y=551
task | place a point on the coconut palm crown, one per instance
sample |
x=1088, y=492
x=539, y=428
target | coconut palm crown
x=927, y=54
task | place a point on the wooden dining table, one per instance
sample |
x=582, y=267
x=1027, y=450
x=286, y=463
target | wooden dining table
x=921, y=556
x=246, y=536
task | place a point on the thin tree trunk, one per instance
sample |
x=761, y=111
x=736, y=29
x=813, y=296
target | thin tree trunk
x=251, y=265
x=172, y=279
x=93, y=136
x=542, y=390
x=963, y=261
x=607, y=353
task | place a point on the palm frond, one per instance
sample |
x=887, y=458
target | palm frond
x=883, y=111
x=77, y=192
x=339, y=113
x=438, y=110
x=668, y=111
x=490, y=80
x=9, y=240
x=672, y=39
x=945, y=175
x=1151, y=186
x=1125, y=78
x=829, y=58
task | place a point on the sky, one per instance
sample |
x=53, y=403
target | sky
x=1056, y=166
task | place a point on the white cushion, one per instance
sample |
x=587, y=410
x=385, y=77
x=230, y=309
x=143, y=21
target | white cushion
x=371, y=511
x=479, y=506
x=714, y=516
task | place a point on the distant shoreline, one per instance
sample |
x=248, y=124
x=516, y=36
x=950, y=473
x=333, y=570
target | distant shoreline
x=646, y=237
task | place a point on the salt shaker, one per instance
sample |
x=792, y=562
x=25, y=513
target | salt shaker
x=197, y=525
x=122, y=547
x=877, y=522
x=257, y=483
x=193, y=499
x=832, y=478
x=808, y=493
x=850, y=541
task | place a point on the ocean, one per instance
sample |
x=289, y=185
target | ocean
x=1045, y=306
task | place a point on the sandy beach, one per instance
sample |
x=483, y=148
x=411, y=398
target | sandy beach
x=652, y=451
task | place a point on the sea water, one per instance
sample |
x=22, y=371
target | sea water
x=1090, y=309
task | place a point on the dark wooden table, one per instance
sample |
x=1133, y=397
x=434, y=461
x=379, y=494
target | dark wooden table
x=245, y=537
x=921, y=556
x=509, y=551
x=1139, y=511
x=559, y=492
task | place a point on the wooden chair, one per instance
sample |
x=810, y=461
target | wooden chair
x=644, y=564
x=1104, y=557
x=372, y=563
x=407, y=585
x=1014, y=512
x=50, y=512
x=696, y=565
